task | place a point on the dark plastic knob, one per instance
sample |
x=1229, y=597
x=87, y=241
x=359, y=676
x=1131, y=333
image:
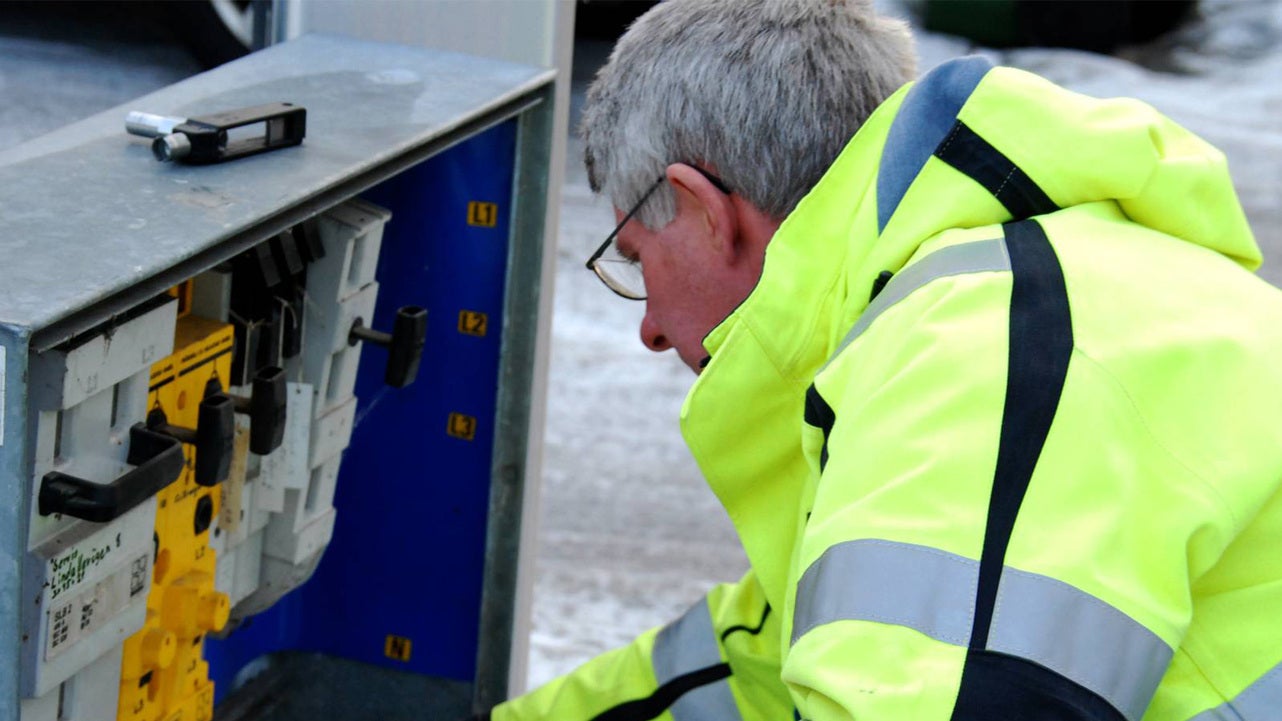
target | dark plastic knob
x=215, y=439
x=404, y=343
x=214, y=436
x=267, y=411
x=408, y=336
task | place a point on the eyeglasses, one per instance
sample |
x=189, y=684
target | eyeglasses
x=620, y=273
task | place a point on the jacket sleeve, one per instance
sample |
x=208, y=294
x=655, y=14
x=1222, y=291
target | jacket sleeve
x=718, y=662
x=988, y=539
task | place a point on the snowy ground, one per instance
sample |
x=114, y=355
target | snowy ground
x=630, y=535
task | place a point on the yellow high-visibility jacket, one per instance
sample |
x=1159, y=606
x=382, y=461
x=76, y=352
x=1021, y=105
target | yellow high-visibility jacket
x=1000, y=429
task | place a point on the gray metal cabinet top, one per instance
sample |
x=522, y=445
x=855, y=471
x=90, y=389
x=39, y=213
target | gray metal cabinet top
x=90, y=221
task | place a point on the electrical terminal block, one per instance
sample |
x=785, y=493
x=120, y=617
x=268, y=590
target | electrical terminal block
x=184, y=604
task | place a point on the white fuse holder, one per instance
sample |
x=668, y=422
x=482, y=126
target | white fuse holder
x=93, y=596
x=88, y=580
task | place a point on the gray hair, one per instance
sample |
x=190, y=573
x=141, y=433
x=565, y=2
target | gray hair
x=765, y=93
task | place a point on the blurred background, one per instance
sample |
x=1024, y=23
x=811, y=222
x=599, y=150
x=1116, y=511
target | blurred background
x=627, y=534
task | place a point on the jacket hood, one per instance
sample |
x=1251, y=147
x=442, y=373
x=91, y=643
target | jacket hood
x=1061, y=149
x=1075, y=148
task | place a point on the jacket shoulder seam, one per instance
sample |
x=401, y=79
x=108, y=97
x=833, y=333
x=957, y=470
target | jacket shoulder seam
x=1158, y=441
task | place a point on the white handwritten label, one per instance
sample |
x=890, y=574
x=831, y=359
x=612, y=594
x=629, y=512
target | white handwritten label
x=82, y=611
x=70, y=568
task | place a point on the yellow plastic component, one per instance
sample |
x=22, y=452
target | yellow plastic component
x=183, y=292
x=164, y=676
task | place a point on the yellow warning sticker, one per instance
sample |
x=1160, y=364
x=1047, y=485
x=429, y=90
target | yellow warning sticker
x=485, y=215
x=472, y=322
x=397, y=648
x=461, y=426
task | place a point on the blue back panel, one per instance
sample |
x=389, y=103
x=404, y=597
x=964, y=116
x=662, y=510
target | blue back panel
x=407, y=556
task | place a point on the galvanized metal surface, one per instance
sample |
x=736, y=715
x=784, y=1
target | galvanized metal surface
x=509, y=476
x=14, y=491
x=88, y=215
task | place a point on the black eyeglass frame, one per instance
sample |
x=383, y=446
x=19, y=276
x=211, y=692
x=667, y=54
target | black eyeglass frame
x=591, y=264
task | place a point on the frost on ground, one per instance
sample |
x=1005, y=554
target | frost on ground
x=630, y=536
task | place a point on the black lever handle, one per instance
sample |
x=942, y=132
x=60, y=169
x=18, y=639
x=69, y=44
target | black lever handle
x=157, y=460
x=266, y=410
x=213, y=436
x=404, y=343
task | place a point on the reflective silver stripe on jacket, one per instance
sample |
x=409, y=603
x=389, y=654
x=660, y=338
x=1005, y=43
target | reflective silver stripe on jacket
x=686, y=645
x=1079, y=637
x=975, y=257
x=1037, y=618
x=1261, y=701
x=922, y=588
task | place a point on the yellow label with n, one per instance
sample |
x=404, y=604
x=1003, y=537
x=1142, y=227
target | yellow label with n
x=397, y=648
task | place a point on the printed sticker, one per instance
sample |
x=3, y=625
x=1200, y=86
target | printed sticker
x=461, y=426
x=472, y=322
x=79, y=611
x=397, y=648
x=485, y=215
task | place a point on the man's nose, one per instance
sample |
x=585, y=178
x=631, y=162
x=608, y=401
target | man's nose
x=652, y=336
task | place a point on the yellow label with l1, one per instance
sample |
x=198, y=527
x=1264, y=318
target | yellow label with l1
x=485, y=215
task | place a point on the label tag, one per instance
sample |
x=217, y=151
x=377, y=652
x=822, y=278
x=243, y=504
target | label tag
x=473, y=322
x=485, y=215
x=231, y=511
x=397, y=648
x=461, y=426
x=291, y=459
x=78, y=614
x=73, y=566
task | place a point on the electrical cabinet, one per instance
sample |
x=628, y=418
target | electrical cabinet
x=264, y=439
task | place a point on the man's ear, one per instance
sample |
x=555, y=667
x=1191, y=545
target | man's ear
x=707, y=206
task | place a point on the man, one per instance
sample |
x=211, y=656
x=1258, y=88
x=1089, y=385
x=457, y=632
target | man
x=985, y=384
